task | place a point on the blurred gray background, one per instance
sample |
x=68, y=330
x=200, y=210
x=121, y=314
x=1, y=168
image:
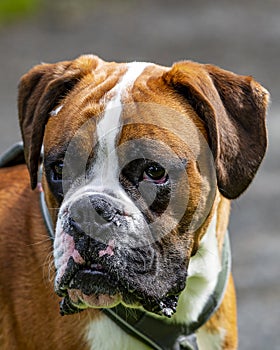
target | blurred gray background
x=242, y=36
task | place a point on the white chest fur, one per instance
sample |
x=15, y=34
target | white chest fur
x=204, y=268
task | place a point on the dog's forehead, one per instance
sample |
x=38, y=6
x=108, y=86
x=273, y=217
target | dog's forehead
x=91, y=96
x=112, y=99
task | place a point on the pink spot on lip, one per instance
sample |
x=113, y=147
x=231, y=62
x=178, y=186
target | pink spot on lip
x=77, y=257
x=109, y=250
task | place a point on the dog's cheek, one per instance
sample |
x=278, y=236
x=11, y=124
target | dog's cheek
x=64, y=250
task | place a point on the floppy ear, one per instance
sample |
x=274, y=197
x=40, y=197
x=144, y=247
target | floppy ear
x=40, y=90
x=233, y=109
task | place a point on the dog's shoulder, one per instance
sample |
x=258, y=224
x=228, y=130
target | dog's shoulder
x=19, y=209
x=16, y=195
x=13, y=178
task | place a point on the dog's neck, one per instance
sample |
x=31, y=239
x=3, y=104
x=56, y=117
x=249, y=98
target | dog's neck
x=203, y=271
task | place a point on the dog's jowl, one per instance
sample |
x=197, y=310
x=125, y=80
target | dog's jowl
x=123, y=230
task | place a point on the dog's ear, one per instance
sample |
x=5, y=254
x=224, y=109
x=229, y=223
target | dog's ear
x=40, y=90
x=233, y=109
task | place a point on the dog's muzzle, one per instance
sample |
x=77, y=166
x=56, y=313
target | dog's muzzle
x=105, y=254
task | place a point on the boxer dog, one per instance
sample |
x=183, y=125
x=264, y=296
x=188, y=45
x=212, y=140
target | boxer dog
x=139, y=165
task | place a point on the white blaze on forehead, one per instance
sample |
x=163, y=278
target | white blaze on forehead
x=108, y=128
x=104, y=174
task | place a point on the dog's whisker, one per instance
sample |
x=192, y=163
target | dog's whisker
x=43, y=241
x=48, y=267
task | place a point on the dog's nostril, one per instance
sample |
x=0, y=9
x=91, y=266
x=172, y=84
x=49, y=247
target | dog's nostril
x=103, y=208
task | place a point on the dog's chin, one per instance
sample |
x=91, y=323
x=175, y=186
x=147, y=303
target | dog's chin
x=92, y=285
x=97, y=289
x=83, y=301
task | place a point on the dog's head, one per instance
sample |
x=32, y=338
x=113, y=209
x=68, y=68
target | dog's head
x=134, y=155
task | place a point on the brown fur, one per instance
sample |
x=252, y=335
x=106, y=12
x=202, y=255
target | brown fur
x=29, y=317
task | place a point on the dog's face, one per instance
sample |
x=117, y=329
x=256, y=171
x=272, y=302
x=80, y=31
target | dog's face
x=133, y=157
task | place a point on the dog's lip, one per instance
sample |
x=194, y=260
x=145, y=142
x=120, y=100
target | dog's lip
x=89, y=275
x=92, y=283
x=83, y=301
x=93, y=286
x=70, y=273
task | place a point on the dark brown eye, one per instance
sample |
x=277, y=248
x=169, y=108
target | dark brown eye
x=57, y=171
x=156, y=173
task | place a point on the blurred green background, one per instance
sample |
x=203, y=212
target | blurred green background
x=11, y=10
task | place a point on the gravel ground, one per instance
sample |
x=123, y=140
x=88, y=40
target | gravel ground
x=240, y=36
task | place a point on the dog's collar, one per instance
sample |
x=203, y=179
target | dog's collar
x=46, y=214
x=155, y=332
x=12, y=156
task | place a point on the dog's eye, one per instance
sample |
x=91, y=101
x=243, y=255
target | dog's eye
x=155, y=173
x=57, y=171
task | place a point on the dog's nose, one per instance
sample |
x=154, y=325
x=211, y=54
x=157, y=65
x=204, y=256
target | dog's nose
x=91, y=214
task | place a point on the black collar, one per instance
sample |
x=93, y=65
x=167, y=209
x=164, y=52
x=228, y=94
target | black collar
x=12, y=156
